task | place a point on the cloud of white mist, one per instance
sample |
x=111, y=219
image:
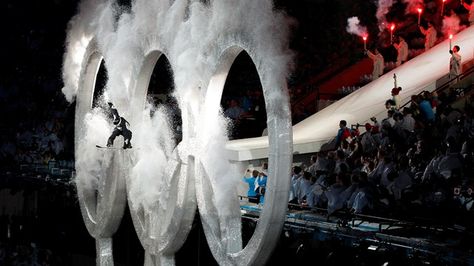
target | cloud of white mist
x=90, y=161
x=81, y=30
x=154, y=144
x=383, y=7
x=451, y=25
x=190, y=46
x=192, y=38
x=354, y=27
x=213, y=136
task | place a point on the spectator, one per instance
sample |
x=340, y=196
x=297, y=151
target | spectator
x=261, y=186
x=376, y=173
x=295, y=178
x=426, y=109
x=408, y=123
x=368, y=143
x=334, y=193
x=303, y=188
x=415, y=106
x=389, y=121
x=404, y=179
x=361, y=198
x=368, y=165
x=451, y=161
x=344, y=147
x=390, y=104
x=251, y=181
x=376, y=125
x=316, y=197
x=341, y=164
x=234, y=111
x=355, y=150
x=319, y=162
x=396, y=97
x=388, y=167
x=343, y=132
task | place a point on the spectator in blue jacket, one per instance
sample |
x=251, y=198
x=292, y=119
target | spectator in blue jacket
x=251, y=181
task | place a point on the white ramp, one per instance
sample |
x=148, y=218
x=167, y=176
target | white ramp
x=418, y=74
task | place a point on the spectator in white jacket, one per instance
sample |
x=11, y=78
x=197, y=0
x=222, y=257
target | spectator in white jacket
x=378, y=62
x=430, y=36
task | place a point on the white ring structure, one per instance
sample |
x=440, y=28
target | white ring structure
x=163, y=229
x=224, y=243
x=102, y=207
x=201, y=42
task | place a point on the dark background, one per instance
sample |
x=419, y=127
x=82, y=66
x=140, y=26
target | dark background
x=31, y=54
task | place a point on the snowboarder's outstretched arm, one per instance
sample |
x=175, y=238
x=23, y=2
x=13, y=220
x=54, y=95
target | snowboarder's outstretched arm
x=126, y=122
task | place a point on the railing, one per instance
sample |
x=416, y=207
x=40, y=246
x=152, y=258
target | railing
x=56, y=169
x=344, y=218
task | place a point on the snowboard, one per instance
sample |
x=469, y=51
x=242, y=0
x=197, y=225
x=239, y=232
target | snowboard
x=112, y=148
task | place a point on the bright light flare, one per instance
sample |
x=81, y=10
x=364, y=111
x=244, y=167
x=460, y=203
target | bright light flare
x=450, y=41
x=392, y=27
x=419, y=15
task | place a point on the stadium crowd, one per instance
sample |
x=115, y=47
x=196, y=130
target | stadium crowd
x=416, y=160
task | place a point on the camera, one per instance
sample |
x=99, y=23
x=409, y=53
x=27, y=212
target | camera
x=457, y=191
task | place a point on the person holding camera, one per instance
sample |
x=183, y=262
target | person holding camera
x=261, y=186
x=252, y=181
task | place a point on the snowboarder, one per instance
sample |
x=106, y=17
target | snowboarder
x=113, y=113
x=120, y=129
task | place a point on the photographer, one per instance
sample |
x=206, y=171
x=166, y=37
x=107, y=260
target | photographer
x=251, y=181
x=464, y=197
x=260, y=186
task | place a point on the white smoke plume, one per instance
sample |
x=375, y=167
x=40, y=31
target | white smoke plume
x=383, y=7
x=413, y=5
x=354, y=27
x=79, y=36
x=451, y=25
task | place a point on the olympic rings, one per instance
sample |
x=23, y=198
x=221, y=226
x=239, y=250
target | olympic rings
x=104, y=179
